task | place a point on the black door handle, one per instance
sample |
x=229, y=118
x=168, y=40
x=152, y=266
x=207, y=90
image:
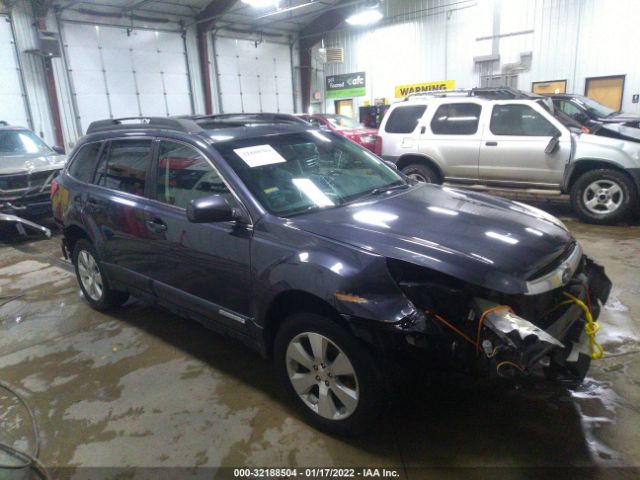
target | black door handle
x=156, y=225
x=491, y=144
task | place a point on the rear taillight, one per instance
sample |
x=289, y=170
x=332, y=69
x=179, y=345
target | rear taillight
x=378, y=147
x=54, y=187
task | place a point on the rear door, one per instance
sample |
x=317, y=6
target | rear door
x=115, y=208
x=452, y=139
x=200, y=266
x=513, y=146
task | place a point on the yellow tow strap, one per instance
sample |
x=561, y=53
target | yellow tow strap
x=591, y=328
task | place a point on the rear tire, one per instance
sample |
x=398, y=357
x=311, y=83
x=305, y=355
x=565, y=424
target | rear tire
x=604, y=196
x=340, y=391
x=93, y=280
x=421, y=173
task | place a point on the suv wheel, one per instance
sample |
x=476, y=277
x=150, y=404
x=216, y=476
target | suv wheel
x=92, y=279
x=603, y=196
x=421, y=173
x=331, y=377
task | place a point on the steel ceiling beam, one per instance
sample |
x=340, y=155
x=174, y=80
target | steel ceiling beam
x=312, y=34
x=205, y=21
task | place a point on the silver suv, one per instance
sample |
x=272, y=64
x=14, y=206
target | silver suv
x=473, y=139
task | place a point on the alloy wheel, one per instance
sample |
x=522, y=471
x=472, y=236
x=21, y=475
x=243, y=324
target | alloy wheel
x=90, y=275
x=418, y=177
x=603, y=197
x=322, y=375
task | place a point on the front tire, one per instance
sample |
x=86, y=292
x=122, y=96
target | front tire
x=421, y=173
x=92, y=279
x=604, y=196
x=328, y=374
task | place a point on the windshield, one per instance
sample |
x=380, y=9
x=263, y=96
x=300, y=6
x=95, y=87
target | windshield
x=594, y=108
x=294, y=173
x=22, y=142
x=342, y=121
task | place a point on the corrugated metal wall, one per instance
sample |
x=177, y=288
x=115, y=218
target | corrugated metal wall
x=32, y=71
x=430, y=40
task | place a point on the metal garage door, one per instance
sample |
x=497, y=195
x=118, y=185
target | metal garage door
x=119, y=73
x=253, y=79
x=13, y=107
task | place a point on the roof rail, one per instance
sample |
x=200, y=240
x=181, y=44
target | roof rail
x=502, y=93
x=495, y=93
x=248, y=118
x=136, y=123
x=459, y=92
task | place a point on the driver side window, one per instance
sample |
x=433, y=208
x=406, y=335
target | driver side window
x=183, y=175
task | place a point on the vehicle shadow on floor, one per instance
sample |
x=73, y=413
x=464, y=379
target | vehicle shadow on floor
x=430, y=423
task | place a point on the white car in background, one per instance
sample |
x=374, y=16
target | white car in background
x=508, y=139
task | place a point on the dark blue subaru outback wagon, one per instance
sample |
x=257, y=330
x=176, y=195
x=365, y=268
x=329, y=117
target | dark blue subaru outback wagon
x=321, y=256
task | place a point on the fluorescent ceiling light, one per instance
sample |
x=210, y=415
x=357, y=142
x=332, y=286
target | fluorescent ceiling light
x=365, y=17
x=262, y=3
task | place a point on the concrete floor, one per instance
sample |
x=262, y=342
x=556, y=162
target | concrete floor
x=140, y=387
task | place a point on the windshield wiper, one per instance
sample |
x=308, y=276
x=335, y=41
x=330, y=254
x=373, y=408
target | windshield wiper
x=378, y=191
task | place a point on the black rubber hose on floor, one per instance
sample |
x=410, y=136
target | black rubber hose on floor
x=28, y=460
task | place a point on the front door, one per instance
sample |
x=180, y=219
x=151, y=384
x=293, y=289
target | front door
x=200, y=266
x=513, y=147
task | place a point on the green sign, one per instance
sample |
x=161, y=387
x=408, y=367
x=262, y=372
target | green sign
x=347, y=85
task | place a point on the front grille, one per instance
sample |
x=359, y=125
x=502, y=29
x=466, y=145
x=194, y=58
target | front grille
x=39, y=179
x=31, y=181
x=14, y=182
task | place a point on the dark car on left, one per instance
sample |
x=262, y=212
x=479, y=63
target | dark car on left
x=27, y=167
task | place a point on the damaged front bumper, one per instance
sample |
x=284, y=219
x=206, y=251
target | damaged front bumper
x=532, y=334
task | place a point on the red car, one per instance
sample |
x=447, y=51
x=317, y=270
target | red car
x=347, y=127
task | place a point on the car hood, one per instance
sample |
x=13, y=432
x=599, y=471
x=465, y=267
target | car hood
x=30, y=163
x=621, y=118
x=483, y=240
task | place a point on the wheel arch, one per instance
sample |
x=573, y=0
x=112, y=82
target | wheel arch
x=290, y=301
x=72, y=234
x=413, y=158
x=581, y=167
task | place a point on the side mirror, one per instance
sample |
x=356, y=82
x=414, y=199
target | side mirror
x=214, y=208
x=552, y=146
x=391, y=164
x=58, y=149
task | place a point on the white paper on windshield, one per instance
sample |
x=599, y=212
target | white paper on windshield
x=259, y=155
x=312, y=192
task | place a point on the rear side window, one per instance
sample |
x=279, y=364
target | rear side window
x=456, y=119
x=125, y=167
x=404, y=119
x=520, y=120
x=84, y=163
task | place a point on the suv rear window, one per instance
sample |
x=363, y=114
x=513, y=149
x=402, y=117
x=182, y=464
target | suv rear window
x=404, y=119
x=456, y=119
x=125, y=167
x=84, y=163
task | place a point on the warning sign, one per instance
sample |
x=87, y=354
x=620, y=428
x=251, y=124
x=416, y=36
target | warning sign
x=404, y=90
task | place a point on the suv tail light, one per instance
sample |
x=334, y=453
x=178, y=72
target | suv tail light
x=54, y=187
